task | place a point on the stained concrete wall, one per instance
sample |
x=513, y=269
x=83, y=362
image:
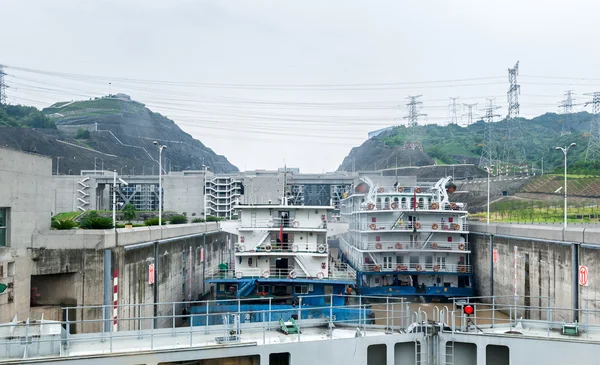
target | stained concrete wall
x=544, y=266
x=180, y=277
x=24, y=191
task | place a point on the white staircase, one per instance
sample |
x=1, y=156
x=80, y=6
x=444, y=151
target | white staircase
x=83, y=194
x=299, y=262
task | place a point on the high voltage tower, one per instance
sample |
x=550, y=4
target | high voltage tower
x=488, y=152
x=567, y=109
x=514, y=147
x=593, y=150
x=2, y=86
x=469, y=114
x=453, y=110
x=413, y=118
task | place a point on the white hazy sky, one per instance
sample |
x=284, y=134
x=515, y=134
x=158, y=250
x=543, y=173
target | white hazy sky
x=228, y=72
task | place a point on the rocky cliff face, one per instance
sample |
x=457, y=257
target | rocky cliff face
x=373, y=154
x=121, y=135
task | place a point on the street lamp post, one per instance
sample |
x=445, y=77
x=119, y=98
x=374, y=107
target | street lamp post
x=95, y=158
x=488, y=193
x=57, y=164
x=160, y=149
x=205, y=168
x=565, y=150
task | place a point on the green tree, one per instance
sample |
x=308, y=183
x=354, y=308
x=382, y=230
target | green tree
x=82, y=134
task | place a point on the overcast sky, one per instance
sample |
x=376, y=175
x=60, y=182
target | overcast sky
x=230, y=71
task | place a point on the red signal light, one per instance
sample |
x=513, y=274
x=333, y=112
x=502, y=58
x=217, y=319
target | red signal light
x=468, y=309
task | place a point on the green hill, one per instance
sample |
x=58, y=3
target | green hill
x=455, y=144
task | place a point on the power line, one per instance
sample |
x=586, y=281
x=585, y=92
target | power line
x=453, y=110
x=2, y=86
x=567, y=110
x=469, y=114
x=413, y=118
x=514, y=147
x=593, y=150
x=488, y=153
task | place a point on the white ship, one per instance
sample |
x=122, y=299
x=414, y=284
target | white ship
x=407, y=240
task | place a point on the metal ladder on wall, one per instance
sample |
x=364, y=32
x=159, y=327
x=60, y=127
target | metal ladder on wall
x=421, y=353
x=449, y=359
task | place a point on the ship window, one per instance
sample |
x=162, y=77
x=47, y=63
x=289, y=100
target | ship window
x=262, y=289
x=429, y=260
x=414, y=260
x=387, y=262
x=301, y=289
x=420, y=202
x=403, y=202
x=282, y=358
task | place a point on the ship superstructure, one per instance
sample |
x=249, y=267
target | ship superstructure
x=407, y=240
x=282, y=254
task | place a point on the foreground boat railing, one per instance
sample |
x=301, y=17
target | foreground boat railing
x=135, y=327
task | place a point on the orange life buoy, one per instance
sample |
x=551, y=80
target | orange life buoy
x=372, y=226
x=398, y=245
x=370, y=206
x=456, y=226
x=394, y=205
x=399, y=267
x=434, y=245
x=380, y=190
x=434, y=226
x=462, y=269
x=452, y=206
x=378, y=245
x=418, y=190
x=417, y=225
x=461, y=246
x=419, y=267
x=400, y=189
x=436, y=268
x=434, y=205
x=377, y=268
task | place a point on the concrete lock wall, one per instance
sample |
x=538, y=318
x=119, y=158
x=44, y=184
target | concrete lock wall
x=180, y=274
x=544, y=270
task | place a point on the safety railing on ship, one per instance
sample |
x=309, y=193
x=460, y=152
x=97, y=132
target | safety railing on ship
x=414, y=246
x=333, y=272
x=172, y=325
x=285, y=223
x=428, y=226
x=399, y=268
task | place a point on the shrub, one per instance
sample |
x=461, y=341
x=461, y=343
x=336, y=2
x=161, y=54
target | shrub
x=212, y=218
x=129, y=212
x=63, y=224
x=198, y=220
x=82, y=134
x=96, y=222
x=179, y=219
x=151, y=222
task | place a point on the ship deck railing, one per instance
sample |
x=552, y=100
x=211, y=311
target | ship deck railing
x=431, y=268
x=423, y=226
x=437, y=245
x=135, y=328
x=334, y=272
x=404, y=206
x=283, y=222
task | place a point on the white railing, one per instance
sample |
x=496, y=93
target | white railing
x=286, y=223
x=414, y=246
x=426, y=268
x=407, y=226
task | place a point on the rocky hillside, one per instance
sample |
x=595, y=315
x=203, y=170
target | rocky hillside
x=118, y=133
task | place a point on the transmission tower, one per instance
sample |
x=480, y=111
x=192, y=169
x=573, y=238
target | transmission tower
x=593, y=150
x=2, y=86
x=469, y=114
x=514, y=147
x=488, y=152
x=413, y=118
x=567, y=109
x=453, y=110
